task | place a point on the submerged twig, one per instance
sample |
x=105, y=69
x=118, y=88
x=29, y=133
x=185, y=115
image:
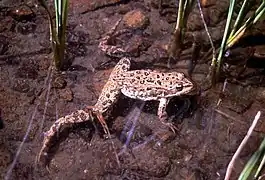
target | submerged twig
x=9, y=172
x=243, y=143
x=48, y=80
x=206, y=28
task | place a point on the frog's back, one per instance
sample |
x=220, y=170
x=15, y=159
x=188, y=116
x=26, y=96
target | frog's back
x=153, y=85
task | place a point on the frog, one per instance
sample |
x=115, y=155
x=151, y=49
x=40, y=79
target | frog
x=145, y=85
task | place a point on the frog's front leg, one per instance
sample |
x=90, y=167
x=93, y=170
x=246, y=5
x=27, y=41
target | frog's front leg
x=162, y=114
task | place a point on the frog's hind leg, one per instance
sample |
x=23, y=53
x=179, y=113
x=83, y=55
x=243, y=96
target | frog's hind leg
x=121, y=67
x=75, y=117
x=162, y=114
x=107, y=47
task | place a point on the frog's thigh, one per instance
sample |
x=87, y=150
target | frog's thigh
x=123, y=65
x=162, y=114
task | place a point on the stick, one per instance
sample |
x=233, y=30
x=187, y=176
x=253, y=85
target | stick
x=243, y=143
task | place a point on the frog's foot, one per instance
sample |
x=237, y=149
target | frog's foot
x=170, y=125
x=164, y=120
x=100, y=118
x=107, y=47
x=76, y=117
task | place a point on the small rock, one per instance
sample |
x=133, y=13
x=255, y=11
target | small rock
x=136, y=19
x=8, y=23
x=26, y=28
x=44, y=63
x=158, y=166
x=260, y=95
x=23, y=13
x=21, y=86
x=59, y=83
x=66, y=94
x=259, y=51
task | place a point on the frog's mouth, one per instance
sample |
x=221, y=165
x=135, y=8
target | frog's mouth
x=191, y=88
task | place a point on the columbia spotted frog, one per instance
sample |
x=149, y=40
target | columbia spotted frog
x=144, y=85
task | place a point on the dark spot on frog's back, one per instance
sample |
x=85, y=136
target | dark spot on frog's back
x=75, y=115
x=104, y=103
x=124, y=67
x=82, y=116
x=146, y=73
x=137, y=77
x=111, y=91
x=159, y=82
x=150, y=80
x=107, y=95
x=109, y=101
x=158, y=76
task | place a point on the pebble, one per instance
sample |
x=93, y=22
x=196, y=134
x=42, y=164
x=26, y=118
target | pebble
x=23, y=13
x=136, y=19
x=66, y=94
x=21, y=86
x=59, y=83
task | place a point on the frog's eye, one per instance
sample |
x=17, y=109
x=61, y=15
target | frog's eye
x=179, y=87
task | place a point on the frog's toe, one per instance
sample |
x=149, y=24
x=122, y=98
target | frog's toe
x=172, y=127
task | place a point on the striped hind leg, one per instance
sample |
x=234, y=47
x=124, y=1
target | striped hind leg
x=75, y=117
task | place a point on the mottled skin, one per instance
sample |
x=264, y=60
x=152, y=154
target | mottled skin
x=144, y=85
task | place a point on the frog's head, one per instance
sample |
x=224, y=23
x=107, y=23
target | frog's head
x=183, y=85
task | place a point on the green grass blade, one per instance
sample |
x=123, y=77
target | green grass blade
x=260, y=167
x=253, y=162
x=225, y=37
x=63, y=27
x=240, y=18
x=249, y=22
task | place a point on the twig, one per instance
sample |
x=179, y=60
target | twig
x=206, y=28
x=223, y=90
x=9, y=172
x=47, y=80
x=225, y=114
x=231, y=164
